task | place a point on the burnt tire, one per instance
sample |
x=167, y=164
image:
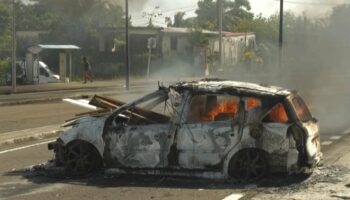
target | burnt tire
x=81, y=159
x=248, y=165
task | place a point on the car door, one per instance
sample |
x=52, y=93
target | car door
x=141, y=146
x=209, y=131
x=138, y=137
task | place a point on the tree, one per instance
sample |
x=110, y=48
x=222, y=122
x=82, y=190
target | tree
x=179, y=19
x=34, y=17
x=198, y=38
x=206, y=14
x=77, y=22
x=233, y=13
x=5, y=27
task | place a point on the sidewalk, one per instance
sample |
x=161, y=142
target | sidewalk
x=45, y=87
x=15, y=137
x=66, y=86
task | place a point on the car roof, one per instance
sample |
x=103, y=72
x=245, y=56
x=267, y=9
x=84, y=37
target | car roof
x=232, y=87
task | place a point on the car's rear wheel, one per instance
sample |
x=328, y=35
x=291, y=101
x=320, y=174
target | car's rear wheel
x=81, y=159
x=248, y=165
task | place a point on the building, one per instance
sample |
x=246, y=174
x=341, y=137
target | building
x=175, y=48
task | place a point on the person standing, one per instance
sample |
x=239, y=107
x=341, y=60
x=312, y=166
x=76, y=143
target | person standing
x=87, y=70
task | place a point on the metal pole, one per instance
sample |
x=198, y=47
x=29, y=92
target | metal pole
x=70, y=67
x=149, y=60
x=280, y=41
x=220, y=33
x=14, y=76
x=127, y=71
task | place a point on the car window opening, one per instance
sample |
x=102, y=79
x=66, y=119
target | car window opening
x=207, y=108
x=301, y=110
x=151, y=112
x=252, y=103
x=278, y=114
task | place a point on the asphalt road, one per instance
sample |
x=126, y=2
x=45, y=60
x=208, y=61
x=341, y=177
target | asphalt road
x=51, y=112
x=15, y=183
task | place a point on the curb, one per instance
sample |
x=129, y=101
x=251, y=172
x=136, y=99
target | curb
x=80, y=96
x=29, y=137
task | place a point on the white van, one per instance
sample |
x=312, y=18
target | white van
x=44, y=74
x=37, y=72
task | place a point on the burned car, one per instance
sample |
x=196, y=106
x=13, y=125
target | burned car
x=208, y=128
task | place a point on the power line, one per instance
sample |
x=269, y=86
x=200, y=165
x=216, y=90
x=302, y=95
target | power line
x=143, y=18
x=179, y=9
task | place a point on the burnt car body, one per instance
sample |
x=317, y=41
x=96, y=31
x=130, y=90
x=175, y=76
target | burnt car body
x=207, y=128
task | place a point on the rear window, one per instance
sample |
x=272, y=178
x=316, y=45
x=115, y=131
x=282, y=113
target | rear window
x=277, y=115
x=301, y=110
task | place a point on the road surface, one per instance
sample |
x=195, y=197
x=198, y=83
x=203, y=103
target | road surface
x=16, y=183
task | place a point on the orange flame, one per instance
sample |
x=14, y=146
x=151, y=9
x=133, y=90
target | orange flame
x=278, y=114
x=252, y=102
x=227, y=106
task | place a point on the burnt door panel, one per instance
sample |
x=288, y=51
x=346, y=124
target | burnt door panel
x=205, y=145
x=139, y=146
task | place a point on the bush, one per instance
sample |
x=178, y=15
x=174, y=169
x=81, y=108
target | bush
x=4, y=69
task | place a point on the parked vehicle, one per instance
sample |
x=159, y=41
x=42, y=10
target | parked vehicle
x=41, y=73
x=45, y=74
x=209, y=128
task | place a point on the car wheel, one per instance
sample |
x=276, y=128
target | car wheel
x=248, y=165
x=81, y=159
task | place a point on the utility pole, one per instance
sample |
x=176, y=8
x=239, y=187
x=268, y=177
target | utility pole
x=14, y=76
x=220, y=33
x=127, y=56
x=280, y=41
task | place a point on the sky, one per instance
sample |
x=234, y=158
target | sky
x=265, y=7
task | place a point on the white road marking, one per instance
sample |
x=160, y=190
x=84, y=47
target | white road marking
x=335, y=137
x=326, y=143
x=234, y=197
x=25, y=147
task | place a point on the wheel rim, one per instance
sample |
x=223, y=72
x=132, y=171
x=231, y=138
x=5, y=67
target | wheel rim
x=248, y=165
x=81, y=159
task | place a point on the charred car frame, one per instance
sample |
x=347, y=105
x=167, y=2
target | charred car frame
x=208, y=128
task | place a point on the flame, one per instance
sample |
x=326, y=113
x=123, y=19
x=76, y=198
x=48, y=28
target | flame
x=227, y=106
x=252, y=102
x=278, y=114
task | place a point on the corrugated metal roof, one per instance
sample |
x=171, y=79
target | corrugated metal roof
x=186, y=30
x=236, y=34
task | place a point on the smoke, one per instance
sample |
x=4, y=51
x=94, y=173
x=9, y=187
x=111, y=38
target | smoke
x=315, y=8
x=315, y=63
x=134, y=5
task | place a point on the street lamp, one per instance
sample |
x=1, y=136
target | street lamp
x=127, y=71
x=220, y=33
x=280, y=40
x=14, y=89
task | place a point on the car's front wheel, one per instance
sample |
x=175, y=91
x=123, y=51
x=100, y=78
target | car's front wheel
x=81, y=159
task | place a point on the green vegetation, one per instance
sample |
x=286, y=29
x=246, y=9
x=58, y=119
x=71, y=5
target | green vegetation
x=78, y=22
